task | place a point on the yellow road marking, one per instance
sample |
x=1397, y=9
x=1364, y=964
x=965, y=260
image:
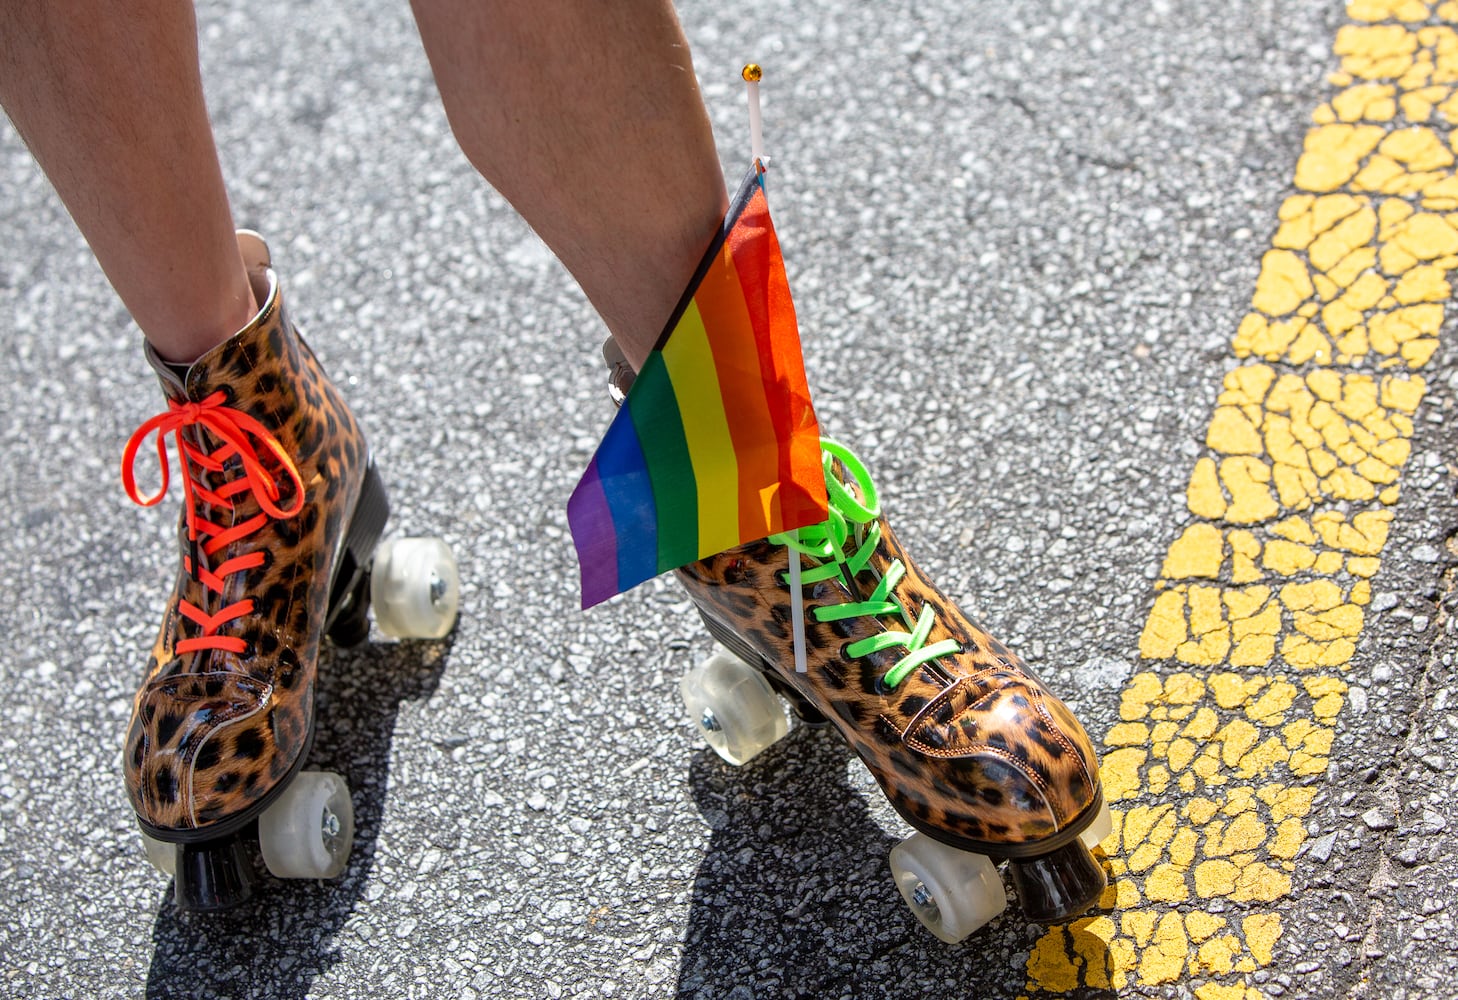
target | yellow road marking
x=1224, y=740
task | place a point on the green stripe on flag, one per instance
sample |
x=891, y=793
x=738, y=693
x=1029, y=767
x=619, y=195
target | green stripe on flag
x=656, y=417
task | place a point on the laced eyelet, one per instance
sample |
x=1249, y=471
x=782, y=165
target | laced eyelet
x=845, y=547
x=242, y=445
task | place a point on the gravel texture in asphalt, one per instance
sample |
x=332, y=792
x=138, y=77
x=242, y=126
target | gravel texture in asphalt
x=1021, y=239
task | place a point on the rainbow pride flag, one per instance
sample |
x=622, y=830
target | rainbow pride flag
x=717, y=443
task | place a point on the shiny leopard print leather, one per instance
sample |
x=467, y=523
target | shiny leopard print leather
x=971, y=749
x=213, y=732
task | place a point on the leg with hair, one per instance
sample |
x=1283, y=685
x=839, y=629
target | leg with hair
x=587, y=117
x=282, y=506
x=109, y=99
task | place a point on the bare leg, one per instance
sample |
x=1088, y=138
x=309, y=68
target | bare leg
x=587, y=117
x=109, y=98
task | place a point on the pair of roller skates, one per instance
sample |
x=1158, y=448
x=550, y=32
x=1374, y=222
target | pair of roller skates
x=282, y=514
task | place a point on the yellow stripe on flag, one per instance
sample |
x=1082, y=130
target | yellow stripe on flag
x=701, y=405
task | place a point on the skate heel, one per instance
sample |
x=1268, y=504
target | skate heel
x=1058, y=886
x=730, y=640
x=348, y=622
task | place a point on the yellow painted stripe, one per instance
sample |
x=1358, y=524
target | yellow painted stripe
x=691, y=369
x=1224, y=737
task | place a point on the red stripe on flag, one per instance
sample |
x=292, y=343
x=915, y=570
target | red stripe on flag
x=756, y=253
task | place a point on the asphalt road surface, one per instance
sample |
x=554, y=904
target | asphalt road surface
x=1137, y=312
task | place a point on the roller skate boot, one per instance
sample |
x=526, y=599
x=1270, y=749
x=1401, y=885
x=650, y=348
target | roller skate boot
x=968, y=746
x=282, y=511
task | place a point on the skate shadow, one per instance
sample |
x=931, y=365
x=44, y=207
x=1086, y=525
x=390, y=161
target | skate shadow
x=278, y=942
x=794, y=897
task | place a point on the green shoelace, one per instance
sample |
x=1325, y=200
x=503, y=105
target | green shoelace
x=827, y=543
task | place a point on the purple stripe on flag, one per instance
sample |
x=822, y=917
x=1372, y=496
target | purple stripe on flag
x=591, y=523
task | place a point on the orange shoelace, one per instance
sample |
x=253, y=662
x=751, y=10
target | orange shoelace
x=238, y=432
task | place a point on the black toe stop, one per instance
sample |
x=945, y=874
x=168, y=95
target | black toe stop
x=1059, y=886
x=213, y=876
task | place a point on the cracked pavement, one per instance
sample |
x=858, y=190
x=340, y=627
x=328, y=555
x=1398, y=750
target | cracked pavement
x=1022, y=244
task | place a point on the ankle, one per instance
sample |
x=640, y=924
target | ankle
x=185, y=340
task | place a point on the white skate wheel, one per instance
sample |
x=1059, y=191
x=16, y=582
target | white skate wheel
x=952, y=892
x=161, y=854
x=1098, y=831
x=415, y=588
x=309, y=830
x=733, y=706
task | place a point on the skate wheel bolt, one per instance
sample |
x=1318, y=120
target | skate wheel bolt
x=922, y=897
x=329, y=824
x=752, y=73
x=709, y=722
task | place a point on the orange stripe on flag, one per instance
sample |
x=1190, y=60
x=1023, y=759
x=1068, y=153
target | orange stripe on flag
x=756, y=250
x=720, y=298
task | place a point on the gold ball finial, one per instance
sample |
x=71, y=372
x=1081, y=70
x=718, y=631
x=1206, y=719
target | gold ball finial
x=752, y=73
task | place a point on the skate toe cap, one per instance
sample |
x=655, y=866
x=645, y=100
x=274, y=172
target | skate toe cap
x=200, y=747
x=1015, y=756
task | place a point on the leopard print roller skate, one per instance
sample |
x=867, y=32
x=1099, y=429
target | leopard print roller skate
x=968, y=746
x=282, y=510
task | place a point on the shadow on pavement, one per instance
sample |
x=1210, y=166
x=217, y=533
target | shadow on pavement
x=795, y=898
x=277, y=943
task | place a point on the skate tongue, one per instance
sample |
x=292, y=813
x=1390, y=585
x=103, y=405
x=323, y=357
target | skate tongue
x=172, y=374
